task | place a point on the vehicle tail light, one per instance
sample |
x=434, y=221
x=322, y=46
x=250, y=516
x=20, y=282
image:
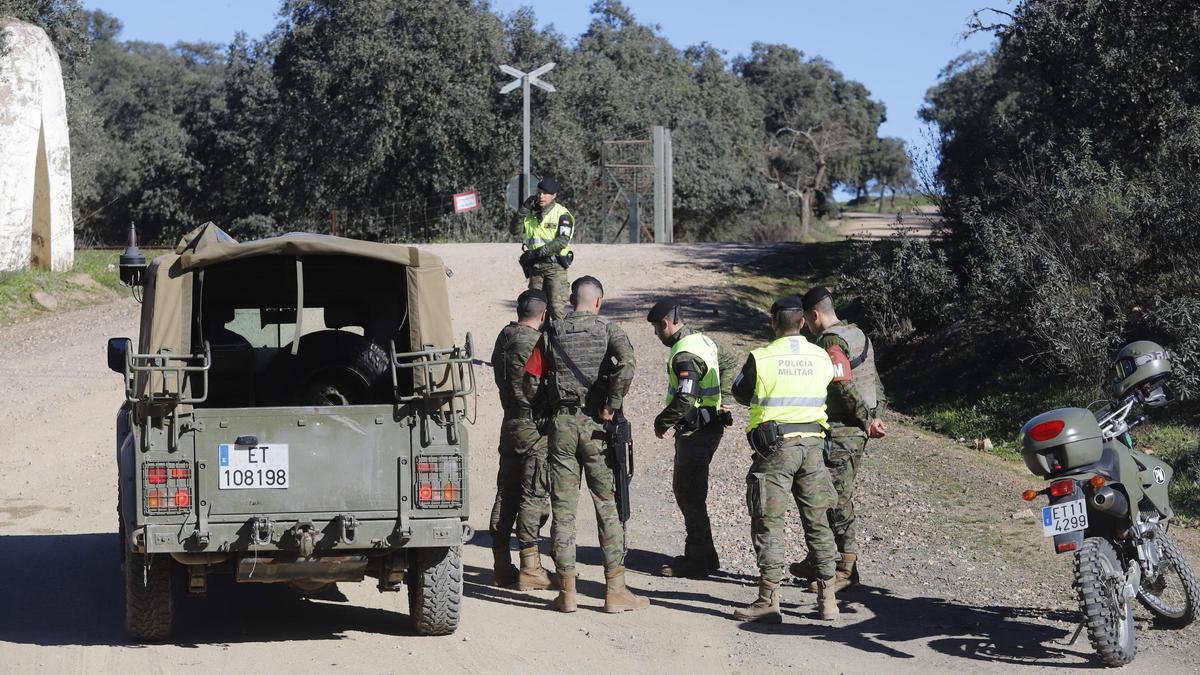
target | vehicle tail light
x=166, y=488
x=438, y=481
x=1047, y=430
x=1062, y=488
x=1030, y=495
x=1065, y=547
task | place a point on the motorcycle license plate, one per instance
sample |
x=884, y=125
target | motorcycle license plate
x=250, y=467
x=1064, y=518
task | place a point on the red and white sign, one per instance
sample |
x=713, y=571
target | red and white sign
x=466, y=201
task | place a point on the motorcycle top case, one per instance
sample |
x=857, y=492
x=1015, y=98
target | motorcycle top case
x=1061, y=440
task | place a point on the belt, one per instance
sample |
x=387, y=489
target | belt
x=802, y=428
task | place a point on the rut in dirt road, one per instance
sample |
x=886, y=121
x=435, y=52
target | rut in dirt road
x=956, y=576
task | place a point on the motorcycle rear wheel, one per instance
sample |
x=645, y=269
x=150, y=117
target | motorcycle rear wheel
x=1175, y=578
x=1099, y=579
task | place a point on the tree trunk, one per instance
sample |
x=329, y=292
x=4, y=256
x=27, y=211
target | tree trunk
x=806, y=200
x=893, y=197
x=882, y=189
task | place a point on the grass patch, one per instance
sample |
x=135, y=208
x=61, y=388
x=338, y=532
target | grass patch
x=1179, y=446
x=93, y=278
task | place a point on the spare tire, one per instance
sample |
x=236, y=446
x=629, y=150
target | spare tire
x=335, y=368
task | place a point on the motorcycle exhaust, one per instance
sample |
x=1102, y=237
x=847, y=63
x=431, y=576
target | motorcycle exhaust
x=1110, y=501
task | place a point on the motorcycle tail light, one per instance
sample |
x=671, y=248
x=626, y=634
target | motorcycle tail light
x=1065, y=547
x=1062, y=488
x=1047, y=430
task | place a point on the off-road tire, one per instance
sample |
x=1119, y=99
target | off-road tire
x=1110, y=630
x=435, y=587
x=148, y=599
x=337, y=368
x=1164, y=615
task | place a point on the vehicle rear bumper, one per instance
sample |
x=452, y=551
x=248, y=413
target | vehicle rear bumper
x=328, y=535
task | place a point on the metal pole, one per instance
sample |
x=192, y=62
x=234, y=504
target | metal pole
x=668, y=188
x=660, y=211
x=526, y=188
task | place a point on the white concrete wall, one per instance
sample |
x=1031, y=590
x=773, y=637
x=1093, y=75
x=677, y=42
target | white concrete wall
x=36, y=227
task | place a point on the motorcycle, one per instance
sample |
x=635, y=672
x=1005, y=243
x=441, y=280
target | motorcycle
x=1108, y=504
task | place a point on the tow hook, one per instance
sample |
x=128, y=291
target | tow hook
x=303, y=532
x=200, y=538
x=261, y=531
x=347, y=524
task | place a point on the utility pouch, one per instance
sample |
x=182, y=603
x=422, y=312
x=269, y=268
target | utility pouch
x=765, y=439
x=695, y=419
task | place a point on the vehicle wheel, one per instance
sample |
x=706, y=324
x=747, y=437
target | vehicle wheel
x=1099, y=578
x=148, y=607
x=1171, y=597
x=435, y=590
x=333, y=368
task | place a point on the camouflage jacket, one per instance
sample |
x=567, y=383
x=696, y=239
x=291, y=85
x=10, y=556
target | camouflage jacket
x=518, y=389
x=843, y=403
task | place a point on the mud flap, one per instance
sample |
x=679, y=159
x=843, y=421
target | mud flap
x=1069, y=542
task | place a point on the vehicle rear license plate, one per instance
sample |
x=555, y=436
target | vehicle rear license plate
x=1064, y=518
x=245, y=467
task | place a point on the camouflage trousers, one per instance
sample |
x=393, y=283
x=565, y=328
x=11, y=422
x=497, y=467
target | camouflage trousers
x=577, y=447
x=693, y=454
x=522, y=485
x=795, y=471
x=551, y=278
x=842, y=459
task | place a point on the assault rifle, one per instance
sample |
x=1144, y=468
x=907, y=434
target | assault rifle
x=620, y=445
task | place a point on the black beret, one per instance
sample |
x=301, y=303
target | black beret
x=661, y=309
x=548, y=185
x=532, y=295
x=814, y=295
x=587, y=279
x=787, y=303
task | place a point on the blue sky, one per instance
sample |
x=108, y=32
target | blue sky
x=895, y=48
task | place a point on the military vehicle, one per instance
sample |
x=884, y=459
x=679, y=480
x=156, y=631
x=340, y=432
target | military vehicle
x=1110, y=507
x=294, y=413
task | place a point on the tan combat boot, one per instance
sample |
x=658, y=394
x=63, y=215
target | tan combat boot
x=565, y=602
x=503, y=571
x=826, y=603
x=766, y=608
x=805, y=570
x=618, y=597
x=846, y=574
x=534, y=577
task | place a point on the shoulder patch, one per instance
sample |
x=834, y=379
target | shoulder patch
x=841, y=364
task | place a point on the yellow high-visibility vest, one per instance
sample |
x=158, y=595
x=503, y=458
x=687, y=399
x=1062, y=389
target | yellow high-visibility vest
x=709, y=395
x=792, y=377
x=538, y=233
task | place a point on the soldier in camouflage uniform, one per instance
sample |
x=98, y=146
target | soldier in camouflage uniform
x=784, y=384
x=548, y=228
x=591, y=367
x=520, y=482
x=855, y=406
x=699, y=375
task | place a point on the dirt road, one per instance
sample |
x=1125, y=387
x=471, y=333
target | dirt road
x=871, y=225
x=957, y=574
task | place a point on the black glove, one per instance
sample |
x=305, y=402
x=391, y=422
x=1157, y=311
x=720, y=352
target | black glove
x=530, y=203
x=527, y=258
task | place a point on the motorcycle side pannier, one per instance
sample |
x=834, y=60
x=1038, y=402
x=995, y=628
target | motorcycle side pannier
x=1061, y=440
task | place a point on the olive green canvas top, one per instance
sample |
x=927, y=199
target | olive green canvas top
x=169, y=283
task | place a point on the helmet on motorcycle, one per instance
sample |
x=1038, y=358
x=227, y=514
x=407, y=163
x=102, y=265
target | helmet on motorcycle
x=1143, y=369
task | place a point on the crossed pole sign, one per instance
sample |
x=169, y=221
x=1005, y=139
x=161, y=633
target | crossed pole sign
x=523, y=80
